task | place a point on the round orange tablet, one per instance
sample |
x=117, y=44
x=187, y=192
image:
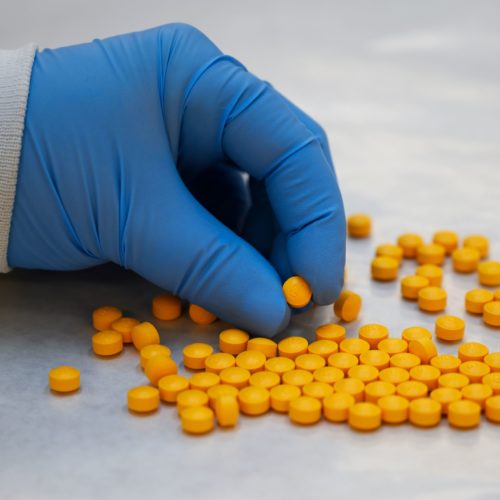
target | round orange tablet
x=233, y=340
x=478, y=393
x=323, y=348
x=171, y=386
x=465, y=260
x=474, y=370
x=279, y=365
x=197, y=420
x=447, y=239
x=124, y=327
x=253, y=361
x=200, y=316
x=446, y=363
x=347, y=306
x=431, y=253
x=107, y=343
x=389, y=250
x=104, y=317
x=492, y=409
x=266, y=346
x=425, y=412
x=235, y=376
x=410, y=242
x=64, y=379
x=342, y=360
x=281, y=395
x=318, y=390
x=297, y=377
x=217, y=391
x=297, y=292
x=411, y=285
x=365, y=416
x=464, y=414
x=354, y=346
x=412, y=389
x=328, y=374
x=336, y=406
x=143, y=399
x=433, y=273
x=489, y=273
x=352, y=386
x=496, y=294
x=227, y=410
x=426, y=374
x=378, y=389
x=166, y=307
x=152, y=350
x=330, y=331
x=268, y=380
x=476, y=299
x=394, y=375
x=478, y=242
x=365, y=373
x=445, y=396
x=472, y=351
x=203, y=381
x=217, y=361
x=291, y=347
x=373, y=333
x=432, y=299
x=191, y=398
x=359, y=225
x=493, y=361
x=453, y=380
x=376, y=358
x=394, y=409
x=415, y=333
x=144, y=334
x=254, y=400
x=304, y=410
x=404, y=360
x=309, y=362
x=450, y=328
x=393, y=346
x=425, y=349
x=158, y=367
x=196, y=354
x=491, y=313
x=384, y=268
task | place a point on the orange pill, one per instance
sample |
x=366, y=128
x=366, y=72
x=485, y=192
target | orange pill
x=279, y=365
x=233, y=340
x=254, y=400
x=445, y=396
x=297, y=377
x=354, y=346
x=453, y=380
x=491, y=313
x=323, y=348
x=415, y=333
x=359, y=225
x=432, y=299
x=297, y=292
x=268, y=380
x=425, y=412
x=447, y=239
x=227, y=411
x=410, y=242
x=394, y=409
x=309, y=362
x=493, y=380
x=158, y=367
x=253, y=361
x=104, y=317
x=144, y=334
x=394, y=375
x=492, y=409
x=450, y=328
x=378, y=389
x=143, y=399
x=478, y=242
x=472, y=351
x=328, y=374
x=411, y=285
x=384, y=268
x=425, y=349
x=352, y=386
x=200, y=316
x=433, y=273
x=431, y=253
x=476, y=299
x=317, y=390
x=478, y=393
x=266, y=346
x=336, y=406
x=124, y=327
x=489, y=273
x=235, y=376
x=376, y=358
x=171, y=386
x=412, y=389
x=446, y=363
x=373, y=333
x=474, y=370
x=107, y=343
x=365, y=373
x=393, y=346
x=281, y=395
x=217, y=391
x=347, y=306
x=190, y=399
x=216, y=362
x=365, y=417
x=465, y=260
x=291, y=347
x=404, y=360
x=342, y=361
x=196, y=354
x=305, y=410
x=496, y=294
x=389, y=250
x=426, y=374
x=331, y=331
x=166, y=307
x=203, y=381
x=152, y=350
x=493, y=361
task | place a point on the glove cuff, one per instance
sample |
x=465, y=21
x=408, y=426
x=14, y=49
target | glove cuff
x=15, y=74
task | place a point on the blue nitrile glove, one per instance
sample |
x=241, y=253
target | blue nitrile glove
x=124, y=135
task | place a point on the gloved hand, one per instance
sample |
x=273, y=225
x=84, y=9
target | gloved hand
x=157, y=152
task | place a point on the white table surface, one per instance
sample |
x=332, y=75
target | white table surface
x=409, y=93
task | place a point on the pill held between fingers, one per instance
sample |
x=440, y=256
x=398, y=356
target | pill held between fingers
x=281, y=395
x=107, y=343
x=103, y=317
x=233, y=341
x=124, y=327
x=373, y=333
x=384, y=268
x=447, y=239
x=144, y=334
x=171, y=386
x=201, y=316
x=479, y=242
x=195, y=355
x=304, y=410
x=64, y=379
x=432, y=299
x=331, y=331
x=411, y=285
x=476, y=299
x=227, y=411
x=465, y=260
x=143, y=399
x=449, y=328
x=464, y=414
x=166, y=307
x=347, y=306
x=359, y=225
x=152, y=350
x=159, y=367
x=365, y=416
x=433, y=273
x=197, y=420
x=297, y=292
x=410, y=242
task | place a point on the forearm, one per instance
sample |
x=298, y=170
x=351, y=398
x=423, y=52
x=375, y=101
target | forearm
x=15, y=72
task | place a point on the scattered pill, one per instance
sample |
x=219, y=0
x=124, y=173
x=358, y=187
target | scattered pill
x=373, y=333
x=411, y=390
x=425, y=349
x=107, y=343
x=453, y=380
x=197, y=420
x=254, y=400
x=158, y=367
x=493, y=361
x=425, y=412
x=352, y=386
x=291, y=347
x=203, y=381
x=323, y=348
x=431, y=253
x=432, y=299
x=492, y=409
x=304, y=410
x=447, y=239
x=489, y=273
x=450, y=328
x=354, y=346
x=365, y=416
x=359, y=225
x=217, y=391
x=233, y=341
x=427, y=374
x=152, y=350
x=281, y=395
x=384, y=268
x=143, y=399
x=378, y=389
x=171, y=386
x=394, y=375
x=433, y=273
x=279, y=365
x=445, y=396
x=336, y=406
x=476, y=299
x=227, y=411
x=465, y=260
x=64, y=379
x=330, y=331
x=411, y=285
x=318, y=390
x=478, y=393
x=394, y=409
x=200, y=316
x=267, y=380
x=328, y=374
x=104, y=317
x=235, y=376
x=393, y=346
x=404, y=360
x=144, y=334
x=347, y=306
x=446, y=363
x=124, y=327
x=191, y=398
x=474, y=370
x=491, y=313
x=472, y=351
x=195, y=355
x=166, y=307
x=464, y=414
x=415, y=333
x=297, y=292
x=389, y=250
x=297, y=377
x=266, y=346
x=479, y=243
x=365, y=373
x=410, y=242
x=217, y=361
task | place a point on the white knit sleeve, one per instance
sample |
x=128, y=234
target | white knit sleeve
x=15, y=73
